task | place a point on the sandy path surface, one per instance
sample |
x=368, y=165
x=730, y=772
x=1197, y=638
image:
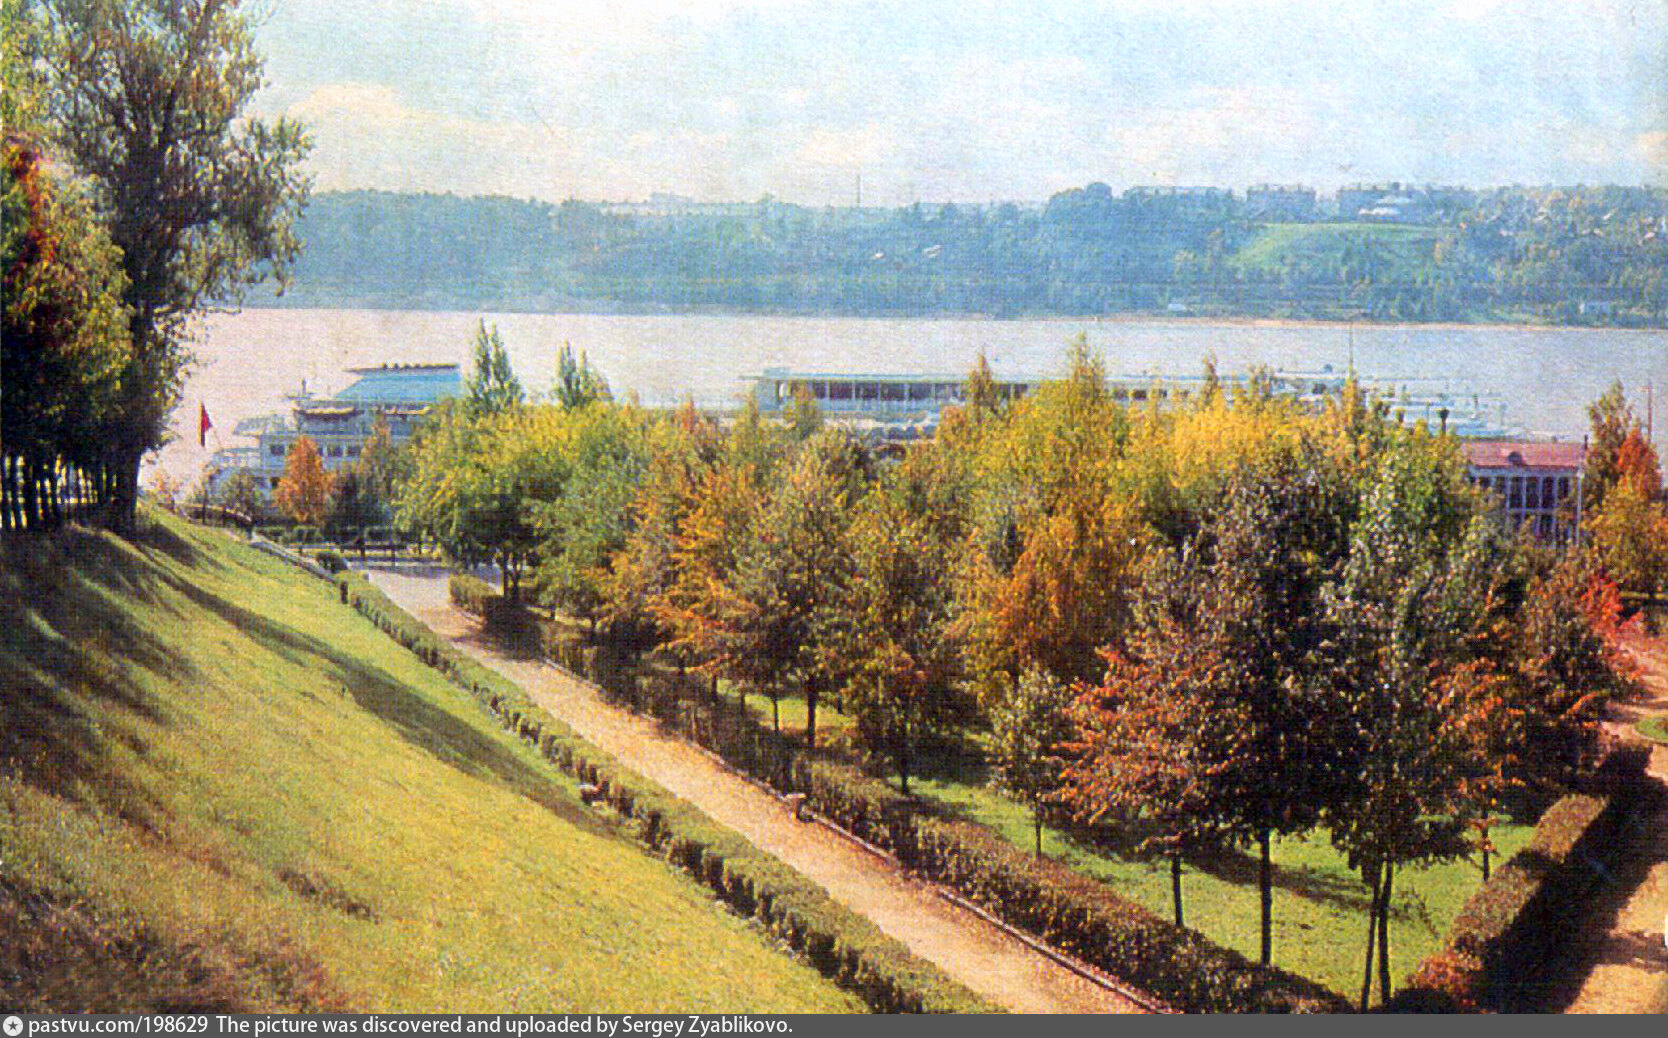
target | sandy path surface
x=979, y=955
x=1632, y=963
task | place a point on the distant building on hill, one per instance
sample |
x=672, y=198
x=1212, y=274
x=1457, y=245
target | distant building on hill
x=1538, y=483
x=1396, y=202
x=1280, y=203
x=400, y=394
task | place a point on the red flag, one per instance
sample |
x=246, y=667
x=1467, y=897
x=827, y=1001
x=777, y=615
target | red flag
x=203, y=425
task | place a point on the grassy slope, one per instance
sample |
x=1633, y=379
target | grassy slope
x=221, y=788
x=1311, y=244
x=1320, y=904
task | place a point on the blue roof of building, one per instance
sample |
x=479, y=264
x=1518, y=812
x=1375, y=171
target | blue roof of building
x=414, y=384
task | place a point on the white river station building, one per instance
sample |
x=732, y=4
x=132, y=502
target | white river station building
x=341, y=425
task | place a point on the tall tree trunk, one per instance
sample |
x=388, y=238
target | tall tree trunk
x=1176, y=885
x=812, y=690
x=7, y=496
x=31, y=493
x=904, y=755
x=1369, y=873
x=1265, y=890
x=124, y=513
x=1384, y=935
x=776, y=712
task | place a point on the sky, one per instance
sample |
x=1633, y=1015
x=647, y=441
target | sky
x=964, y=100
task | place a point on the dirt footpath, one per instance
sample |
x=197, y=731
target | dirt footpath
x=979, y=955
x=1632, y=963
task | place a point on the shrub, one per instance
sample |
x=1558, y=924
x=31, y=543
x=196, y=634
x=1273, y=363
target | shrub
x=477, y=596
x=1510, y=927
x=842, y=945
x=1074, y=913
x=331, y=561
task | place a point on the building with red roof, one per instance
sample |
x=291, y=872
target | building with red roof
x=1538, y=482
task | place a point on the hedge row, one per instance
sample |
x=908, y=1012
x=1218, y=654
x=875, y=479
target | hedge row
x=479, y=597
x=842, y=945
x=1511, y=926
x=1070, y=911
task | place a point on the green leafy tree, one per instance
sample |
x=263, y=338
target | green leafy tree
x=1030, y=724
x=578, y=384
x=241, y=492
x=382, y=467
x=492, y=386
x=1611, y=418
x=583, y=529
x=895, y=643
x=149, y=101
x=1629, y=535
x=1405, y=695
x=789, y=576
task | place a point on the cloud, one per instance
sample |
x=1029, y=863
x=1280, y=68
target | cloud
x=975, y=99
x=367, y=135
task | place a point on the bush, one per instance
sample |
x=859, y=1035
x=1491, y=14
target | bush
x=1072, y=912
x=1512, y=925
x=842, y=945
x=477, y=596
x=331, y=561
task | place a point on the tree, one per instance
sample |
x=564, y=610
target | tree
x=1637, y=465
x=980, y=394
x=492, y=386
x=1407, y=702
x=1630, y=538
x=382, y=466
x=804, y=416
x=590, y=521
x=1612, y=419
x=1029, y=725
x=577, y=383
x=477, y=484
x=241, y=492
x=149, y=101
x=63, y=344
x=352, y=505
x=304, y=489
x=895, y=643
x=789, y=575
x=1267, y=550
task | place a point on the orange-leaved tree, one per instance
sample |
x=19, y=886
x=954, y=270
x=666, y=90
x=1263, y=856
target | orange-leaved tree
x=304, y=491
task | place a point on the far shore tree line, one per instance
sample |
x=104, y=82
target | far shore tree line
x=1203, y=627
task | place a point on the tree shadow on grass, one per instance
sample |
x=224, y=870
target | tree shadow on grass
x=72, y=657
x=71, y=648
x=438, y=732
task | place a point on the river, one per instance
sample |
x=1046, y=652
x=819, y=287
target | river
x=248, y=361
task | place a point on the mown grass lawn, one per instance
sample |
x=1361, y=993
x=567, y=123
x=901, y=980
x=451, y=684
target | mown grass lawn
x=1320, y=904
x=220, y=788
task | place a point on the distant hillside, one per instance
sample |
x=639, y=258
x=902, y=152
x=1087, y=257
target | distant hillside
x=1579, y=256
x=222, y=790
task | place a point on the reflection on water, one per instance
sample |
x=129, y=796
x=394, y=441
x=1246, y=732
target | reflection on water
x=249, y=361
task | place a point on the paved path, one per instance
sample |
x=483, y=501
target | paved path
x=980, y=955
x=1631, y=967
